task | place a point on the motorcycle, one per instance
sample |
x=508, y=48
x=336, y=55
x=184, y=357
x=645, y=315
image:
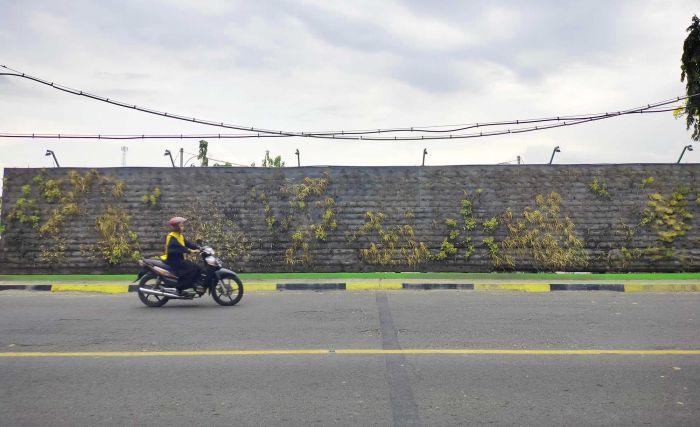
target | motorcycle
x=157, y=282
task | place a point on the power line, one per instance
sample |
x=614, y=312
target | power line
x=336, y=136
x=342, y=134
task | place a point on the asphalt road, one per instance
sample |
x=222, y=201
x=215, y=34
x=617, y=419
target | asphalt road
x=393, y=382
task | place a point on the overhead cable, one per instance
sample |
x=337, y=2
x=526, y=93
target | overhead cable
x=254, y=132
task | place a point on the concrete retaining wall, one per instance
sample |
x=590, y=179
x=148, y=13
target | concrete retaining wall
x=419, y=197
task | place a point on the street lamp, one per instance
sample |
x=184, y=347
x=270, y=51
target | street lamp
x=51, y=153
x=687, y=147
x=425, y=151
x=167, y=153
x=556, y=150
x=298, y=158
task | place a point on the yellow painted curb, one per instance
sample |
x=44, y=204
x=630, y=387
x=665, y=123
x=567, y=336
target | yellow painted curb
x=104, y=289
x=363, y=286
x=259, y=287
x=521, y=287
x=662, y=288
x=390, y=286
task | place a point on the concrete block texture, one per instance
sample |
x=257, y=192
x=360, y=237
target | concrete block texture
x=631, y=217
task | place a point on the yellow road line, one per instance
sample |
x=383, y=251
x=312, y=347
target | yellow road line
x=538, y=352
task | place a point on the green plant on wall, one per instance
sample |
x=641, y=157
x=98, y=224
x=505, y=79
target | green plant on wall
x=118, y=243
x=647, y=181
x=299, y=193
x=147, y=199
x=209, y=224
x=541, y=235
x=490, y=225
x=460, y=237
x=493, y=249
x=667, y=217
x=309, y=219
x=389, y=245
x=67, y=197
x=599, y=188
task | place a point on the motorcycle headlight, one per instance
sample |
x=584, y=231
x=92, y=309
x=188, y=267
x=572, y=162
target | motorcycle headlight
x=213, y=261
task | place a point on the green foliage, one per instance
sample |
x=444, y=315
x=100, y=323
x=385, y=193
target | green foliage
x=209, y=224
x=599, y=188
x=118, y=243
x=470, y=248
x=493, y=248
x=490, y=225
x=300, y=193
x=690, y=71
x=667, y=217
x=53, y=252
x=466, y=212
x=312, y=216
x=647, y=181
x=25, y=212
x=51, y=190
x=392, y=245
x=269, y=162
x=542, y=237
x=202, y=156
x=447, y=250
x=68, y=195
x=299, y=252
x=150, y=199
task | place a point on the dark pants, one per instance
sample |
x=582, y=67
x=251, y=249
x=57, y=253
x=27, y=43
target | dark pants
x=186, y=272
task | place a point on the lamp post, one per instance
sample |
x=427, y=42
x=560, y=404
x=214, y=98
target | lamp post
x=687, y=147
x=425, y=151
x=51, y=153
x=167, y=153
x=298, y=158
x=556, y=150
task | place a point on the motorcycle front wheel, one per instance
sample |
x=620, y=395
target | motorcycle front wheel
x=220, y=291
x=149, y=281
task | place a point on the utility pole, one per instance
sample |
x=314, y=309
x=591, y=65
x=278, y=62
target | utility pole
x=425, y=151
x=518, y=159
x=124, y=150
x=182, y=153
x=298, y=158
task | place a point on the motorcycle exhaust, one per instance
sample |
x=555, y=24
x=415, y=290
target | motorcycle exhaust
x=160, y=293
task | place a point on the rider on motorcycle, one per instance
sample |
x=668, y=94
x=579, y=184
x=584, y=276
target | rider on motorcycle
x=175, y=247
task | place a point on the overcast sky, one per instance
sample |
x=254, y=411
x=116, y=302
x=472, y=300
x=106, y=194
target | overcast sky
x=319, y=64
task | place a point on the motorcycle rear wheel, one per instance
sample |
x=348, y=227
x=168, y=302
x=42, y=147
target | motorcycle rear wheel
x=151, y=282
x=221, y=295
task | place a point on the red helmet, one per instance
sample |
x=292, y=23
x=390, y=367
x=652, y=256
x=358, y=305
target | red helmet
x=175, y=221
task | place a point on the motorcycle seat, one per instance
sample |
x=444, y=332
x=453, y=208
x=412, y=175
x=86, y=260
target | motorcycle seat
x=158, y=263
